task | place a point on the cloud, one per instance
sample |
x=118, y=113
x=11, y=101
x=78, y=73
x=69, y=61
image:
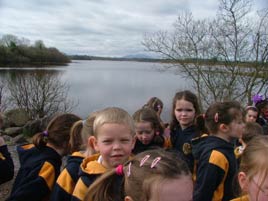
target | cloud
x=95, y=27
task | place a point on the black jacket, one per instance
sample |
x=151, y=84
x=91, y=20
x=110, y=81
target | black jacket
x=181, y=141
x=37, y=174
x=216, y=168
x=6, y=165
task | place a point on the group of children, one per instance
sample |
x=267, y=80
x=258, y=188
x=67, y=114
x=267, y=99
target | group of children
x=115, y=156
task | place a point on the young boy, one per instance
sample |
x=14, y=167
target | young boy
x=113, y=138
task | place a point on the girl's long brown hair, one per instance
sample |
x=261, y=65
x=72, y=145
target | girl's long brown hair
x=137, y=180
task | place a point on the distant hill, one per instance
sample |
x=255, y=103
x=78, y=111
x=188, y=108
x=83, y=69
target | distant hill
x=138, y=56
x=133, y=57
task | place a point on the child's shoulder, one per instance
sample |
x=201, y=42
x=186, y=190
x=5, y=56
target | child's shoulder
x=92, y=165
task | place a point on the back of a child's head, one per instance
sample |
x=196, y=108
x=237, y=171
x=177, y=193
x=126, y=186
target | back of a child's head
x=251, y=130
x=113, y=115
x=154, y=103
x=187, y=96
x=139, y=176
x=222, y=113
x=80, y=132
x=57, y=131
x=254, y=158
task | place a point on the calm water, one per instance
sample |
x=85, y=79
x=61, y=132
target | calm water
x=99, y=84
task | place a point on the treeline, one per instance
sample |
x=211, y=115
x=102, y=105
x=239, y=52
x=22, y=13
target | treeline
x=87, y=57
x=19, y=52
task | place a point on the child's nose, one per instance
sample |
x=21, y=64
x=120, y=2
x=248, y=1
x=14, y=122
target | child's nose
x=117, y=145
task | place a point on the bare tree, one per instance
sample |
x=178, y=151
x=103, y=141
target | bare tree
x=214, y=53
x=3, y=96
x=39, y=93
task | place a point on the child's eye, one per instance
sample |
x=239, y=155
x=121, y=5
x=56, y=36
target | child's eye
x=107, y=141
x=125, y=140
x=184, y=110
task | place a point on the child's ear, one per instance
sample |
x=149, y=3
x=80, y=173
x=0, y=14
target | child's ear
x=223, y=127
x=243, y=181
x=93, y=140
x=128, y=198
x=90, y=142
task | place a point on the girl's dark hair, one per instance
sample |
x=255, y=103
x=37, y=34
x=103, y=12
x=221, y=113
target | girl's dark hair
x=200, y=125
x=183, y=95
x=137, y=179
x=57, y=131
x=222, y=113
x=154, y=103
x=149, y=115
x=261, y=104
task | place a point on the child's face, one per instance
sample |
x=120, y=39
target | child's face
x=168, y=190
x=184, y=112
x=114, y=142
x=236, y=127
x=251, y=116
x=264, y=112
x=256, y=190
x=144, y=132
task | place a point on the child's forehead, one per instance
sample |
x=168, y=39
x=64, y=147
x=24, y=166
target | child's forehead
x=113, y=127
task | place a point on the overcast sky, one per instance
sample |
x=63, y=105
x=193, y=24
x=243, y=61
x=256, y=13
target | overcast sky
x=97, y=27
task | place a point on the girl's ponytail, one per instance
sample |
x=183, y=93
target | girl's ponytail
x=40, y=139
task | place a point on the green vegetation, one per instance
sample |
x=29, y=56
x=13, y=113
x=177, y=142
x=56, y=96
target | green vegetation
x=19, y=52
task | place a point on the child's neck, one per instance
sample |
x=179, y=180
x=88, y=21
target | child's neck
x=224, y=136
x=61, y=152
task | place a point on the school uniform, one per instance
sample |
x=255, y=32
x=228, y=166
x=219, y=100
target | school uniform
x=67, y=179
x=37, y=174
x=216, y=168
x=6, y=165
x=181, y=142
x=90, y=169
x=140, y=147
x=243, y=198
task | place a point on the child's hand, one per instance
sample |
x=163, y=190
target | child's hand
x=2, y=141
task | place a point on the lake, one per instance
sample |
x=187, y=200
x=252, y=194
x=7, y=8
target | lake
x=98, y=84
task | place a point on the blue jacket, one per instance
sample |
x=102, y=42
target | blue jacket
x=6, y=165
x=67, y=179
x=37, y=174
x=216, y=168
x=181, y=141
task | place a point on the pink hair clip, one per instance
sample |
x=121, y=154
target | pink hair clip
x=119, y=170
x=157, y=133
x=144, y=160
x=216, y=117
x=155, y=161
x=129, y=169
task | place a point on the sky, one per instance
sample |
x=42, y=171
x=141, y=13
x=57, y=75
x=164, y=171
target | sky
x=113, y=28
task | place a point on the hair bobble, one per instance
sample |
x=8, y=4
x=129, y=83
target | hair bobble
x=45, y=133
x=119, y=170
x=257, y=99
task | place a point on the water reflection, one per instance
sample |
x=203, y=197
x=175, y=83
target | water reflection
x=99, y=84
